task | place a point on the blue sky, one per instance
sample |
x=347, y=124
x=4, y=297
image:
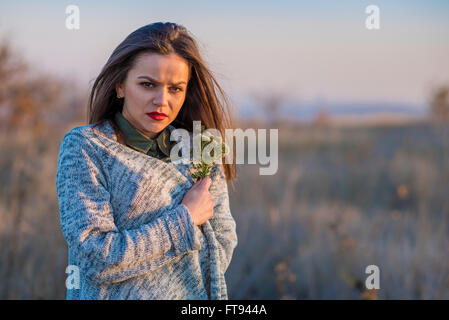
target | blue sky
x=314, y=50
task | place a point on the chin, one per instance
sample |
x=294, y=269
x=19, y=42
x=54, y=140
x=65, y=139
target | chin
x=155, y=128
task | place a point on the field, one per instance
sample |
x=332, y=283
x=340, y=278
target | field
x=343, y=198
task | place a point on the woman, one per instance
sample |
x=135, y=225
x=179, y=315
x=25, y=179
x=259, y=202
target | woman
x=136, y=224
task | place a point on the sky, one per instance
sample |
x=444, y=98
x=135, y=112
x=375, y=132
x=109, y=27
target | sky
x=304, y=50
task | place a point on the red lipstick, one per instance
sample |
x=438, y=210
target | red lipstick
x=157, y=115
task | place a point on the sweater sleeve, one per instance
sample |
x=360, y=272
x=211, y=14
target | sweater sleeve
x=222, y=221
x=104, y=253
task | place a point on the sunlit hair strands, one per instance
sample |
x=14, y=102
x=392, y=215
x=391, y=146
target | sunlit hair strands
x=205, y=99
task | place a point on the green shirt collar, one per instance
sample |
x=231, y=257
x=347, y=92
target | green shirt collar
x=140, y=142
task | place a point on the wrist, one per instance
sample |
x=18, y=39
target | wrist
x=189, y=211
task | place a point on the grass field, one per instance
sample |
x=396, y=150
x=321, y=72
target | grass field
x=343, y=198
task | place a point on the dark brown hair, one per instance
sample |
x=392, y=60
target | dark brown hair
x=201, y=102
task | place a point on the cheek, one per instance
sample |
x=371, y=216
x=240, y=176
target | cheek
x=138, y=97
x=181, y=102
x=178, y=106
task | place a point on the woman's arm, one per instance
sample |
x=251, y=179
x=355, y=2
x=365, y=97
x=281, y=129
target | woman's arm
x=222, y=221
x=106, y=254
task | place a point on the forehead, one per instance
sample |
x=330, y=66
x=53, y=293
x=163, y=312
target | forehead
x=163, y=67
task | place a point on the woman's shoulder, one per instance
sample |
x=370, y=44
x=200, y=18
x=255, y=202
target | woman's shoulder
x=84, y=139
x=83, y=143
x=90, y=131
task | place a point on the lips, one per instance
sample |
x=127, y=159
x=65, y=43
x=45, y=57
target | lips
x=157, y=115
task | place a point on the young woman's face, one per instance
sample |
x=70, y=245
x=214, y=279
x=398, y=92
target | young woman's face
x=157, y=83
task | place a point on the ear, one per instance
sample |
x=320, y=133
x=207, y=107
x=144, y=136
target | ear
x=118, y=89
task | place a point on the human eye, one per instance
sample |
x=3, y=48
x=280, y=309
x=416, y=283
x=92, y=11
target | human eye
x=146, y=84
x=177, y=89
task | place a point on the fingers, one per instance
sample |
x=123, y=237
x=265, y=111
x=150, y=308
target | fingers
x=201, y=181
x=197, y=182
x=206, y=182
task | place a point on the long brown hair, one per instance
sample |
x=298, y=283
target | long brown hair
x=202, y=101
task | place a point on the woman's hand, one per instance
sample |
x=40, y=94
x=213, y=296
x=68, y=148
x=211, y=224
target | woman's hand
x=199, y=201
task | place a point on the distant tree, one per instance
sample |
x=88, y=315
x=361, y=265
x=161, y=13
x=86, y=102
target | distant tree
x=270, y=104
x=322, y=118
x=439, y=112
x=28, y=99
x=11, y=66
x=439, y=105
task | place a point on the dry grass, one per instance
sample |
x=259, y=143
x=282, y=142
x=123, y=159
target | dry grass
x=343, y=198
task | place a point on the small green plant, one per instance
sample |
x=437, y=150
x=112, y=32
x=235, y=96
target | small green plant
x=211, y=142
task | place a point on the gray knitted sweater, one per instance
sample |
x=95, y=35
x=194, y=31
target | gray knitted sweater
x=126, y=229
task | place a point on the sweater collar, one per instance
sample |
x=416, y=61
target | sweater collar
x=139, y=141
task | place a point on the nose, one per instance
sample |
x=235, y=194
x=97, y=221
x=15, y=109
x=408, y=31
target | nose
x=161, y=98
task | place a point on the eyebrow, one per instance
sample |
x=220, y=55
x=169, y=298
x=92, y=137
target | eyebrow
x=155, y=81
